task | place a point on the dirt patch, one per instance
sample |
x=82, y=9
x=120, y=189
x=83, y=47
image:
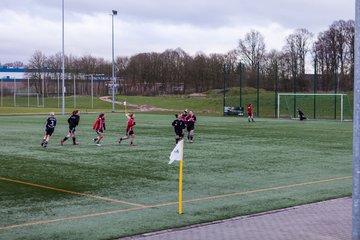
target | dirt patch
x=197, y=95
x=141, y=108
x=148, y=108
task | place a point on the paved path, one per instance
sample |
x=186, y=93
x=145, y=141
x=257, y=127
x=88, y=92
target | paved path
x=141, y=108
x=329, y=220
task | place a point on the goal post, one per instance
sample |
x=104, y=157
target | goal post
x=314, y=105
x=26, y=99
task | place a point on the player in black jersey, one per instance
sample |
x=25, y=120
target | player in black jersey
x=73, y=122
x=301, y=115
x=49, y=129
x=190, y=126
x=179, y=126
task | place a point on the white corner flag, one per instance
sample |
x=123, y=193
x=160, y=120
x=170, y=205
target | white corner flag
x=178, y=152
x=177, y=155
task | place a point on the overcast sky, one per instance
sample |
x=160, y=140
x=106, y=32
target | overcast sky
x=209, y=26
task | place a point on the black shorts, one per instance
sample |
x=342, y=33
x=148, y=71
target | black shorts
x=190, y=128
x=129, y=133
x=99, y=131
x=179, y=133
x=49, y=131
x=72, y=129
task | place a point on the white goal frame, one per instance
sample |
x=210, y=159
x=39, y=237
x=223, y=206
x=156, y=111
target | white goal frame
x=313, y=94
x=26, y=94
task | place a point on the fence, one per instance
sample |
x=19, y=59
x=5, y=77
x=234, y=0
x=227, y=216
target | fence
x=35, y=92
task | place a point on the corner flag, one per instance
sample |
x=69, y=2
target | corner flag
x=177, y=155
x=178, y=152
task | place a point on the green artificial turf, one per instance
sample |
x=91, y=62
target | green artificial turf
x=233, y=168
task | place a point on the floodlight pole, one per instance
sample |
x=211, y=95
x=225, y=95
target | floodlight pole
x=224, y=98
x=92, y=91
x=114, y=13
x=63, y=63
x=276, y=86
x=1, y=92
x=257, y=90
x=356, y=132
x=241, y=82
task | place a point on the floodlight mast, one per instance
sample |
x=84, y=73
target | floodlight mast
x=63, y=63
x=114, y=13
x=356, y=132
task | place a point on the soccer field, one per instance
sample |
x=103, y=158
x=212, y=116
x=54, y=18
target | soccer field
x=233, y=168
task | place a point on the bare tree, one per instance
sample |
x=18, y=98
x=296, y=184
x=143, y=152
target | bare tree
x=146, y=73
x=334, y=54
x=297, y=46
x=37, y=62
x=16, y=64
x=216, y=63
x=252, y=49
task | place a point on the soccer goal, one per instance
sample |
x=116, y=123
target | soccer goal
x=26, y=99
x=314, y=105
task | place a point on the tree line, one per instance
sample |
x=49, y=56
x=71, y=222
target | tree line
x=328, y=59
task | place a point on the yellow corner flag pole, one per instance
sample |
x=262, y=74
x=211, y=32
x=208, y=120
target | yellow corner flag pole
x=180, y=186
x=178, y=155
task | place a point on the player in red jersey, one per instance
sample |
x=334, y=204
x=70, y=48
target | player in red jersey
x=184, y=115
x=250, y=113
x=129, y=129
x=99, y=127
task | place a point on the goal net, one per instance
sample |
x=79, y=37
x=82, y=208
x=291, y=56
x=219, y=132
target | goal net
x=314, y=106
x=25, y=99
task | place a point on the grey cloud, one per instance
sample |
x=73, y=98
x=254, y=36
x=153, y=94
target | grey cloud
x=206, y=13
x=208, y=17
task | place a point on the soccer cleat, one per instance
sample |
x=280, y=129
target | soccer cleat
x=42, y=144
x=62, y=142
x=75, y=143
x=120, y=139
x=132, y=145
x=98, y=144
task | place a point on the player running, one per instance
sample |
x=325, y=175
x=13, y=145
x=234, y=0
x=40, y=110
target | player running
x=49, y=129
x=73, y=121
x=179, y=126
x=184, y=115
x=129, y=129
x=99, y=127
x=250, y=113
x=190, y=126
